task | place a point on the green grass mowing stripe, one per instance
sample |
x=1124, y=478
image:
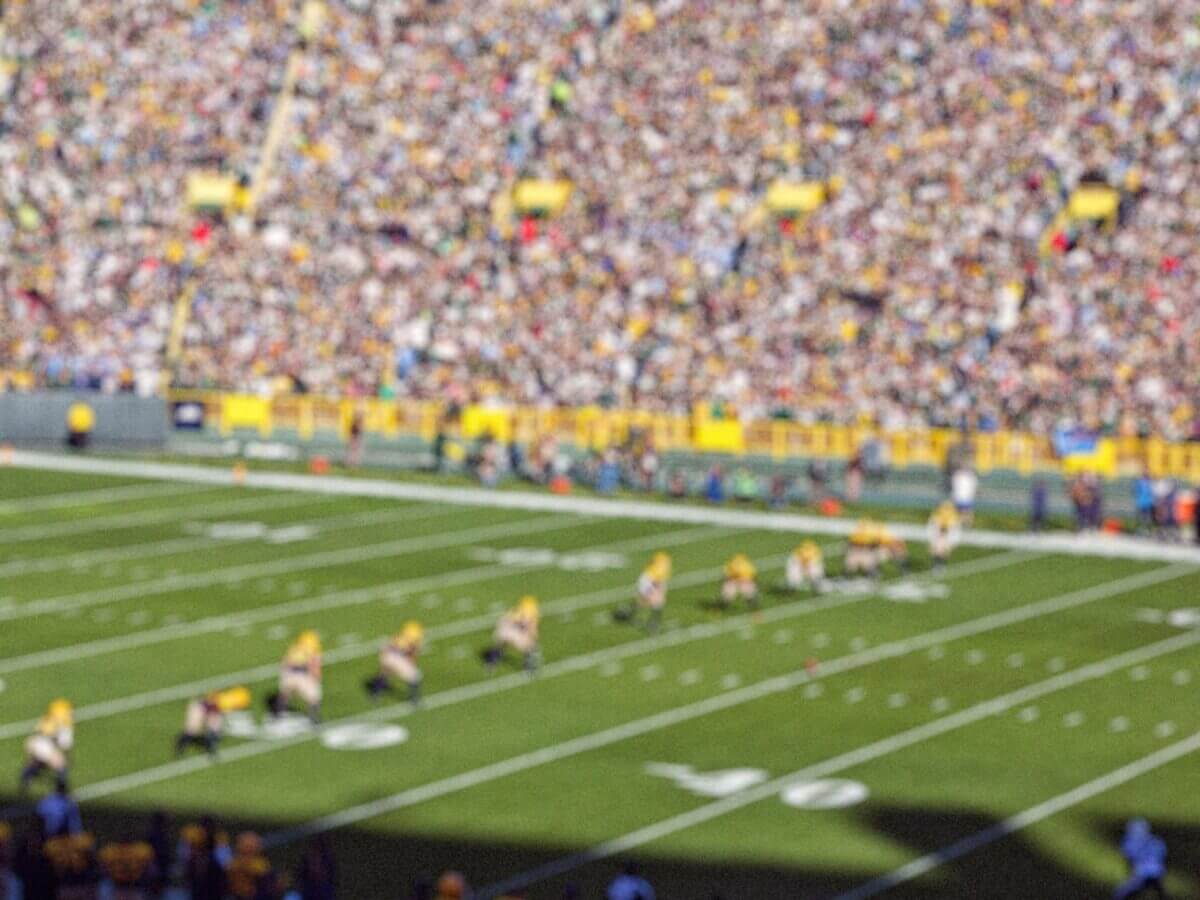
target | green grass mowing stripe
x=450, y=629
x=335, y=600
x=286, y=566
x=670, y=718
x=727, y=700
x=161, y=548
x=875, y=750
x=16, y=483
x=446, y=567
x=95, y=496
x=156, y=516
x=929, y=862
x=453, y=696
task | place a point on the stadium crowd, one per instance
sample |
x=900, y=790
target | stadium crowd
x=930, y=288
x=54, y=857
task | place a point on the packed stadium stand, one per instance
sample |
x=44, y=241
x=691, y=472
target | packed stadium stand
x=948, y=272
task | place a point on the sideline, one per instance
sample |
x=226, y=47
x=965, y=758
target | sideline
x=1119, y=546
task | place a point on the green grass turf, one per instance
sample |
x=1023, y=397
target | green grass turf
x=140, y=603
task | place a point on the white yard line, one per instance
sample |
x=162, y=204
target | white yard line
x=287, y=566
x=41, y=502
x=43, y=564
x=1001, y=830
x=322, y=602
x=726, y=700
x=1074, y=545
x=157, y=516
x=824, y=769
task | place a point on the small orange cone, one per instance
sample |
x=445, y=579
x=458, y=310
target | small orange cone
x=6, y=455
x=811, y=665
x=239, y=473
x=319, y=465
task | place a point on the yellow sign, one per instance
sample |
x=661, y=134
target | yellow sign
x=545, y=197
x=479, y=421
x=210, y=190
x=795, y=197
x=1093, y=202
x=245, y=411
x=719, y=436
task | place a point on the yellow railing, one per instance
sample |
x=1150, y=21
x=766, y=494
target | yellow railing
x=597, y=428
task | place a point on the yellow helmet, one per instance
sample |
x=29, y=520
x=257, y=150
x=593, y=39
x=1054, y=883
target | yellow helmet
x=61, y=710
x=234, y=698
x=662, y=562
x=808, y=547
x=310, y=641
x=528, y=605
x=411, y=633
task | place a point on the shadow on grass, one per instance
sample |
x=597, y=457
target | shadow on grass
x=374, y=865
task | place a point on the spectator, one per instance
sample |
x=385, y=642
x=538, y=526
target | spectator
x=206, y=857
x=935, y=286
x=1143, y=502
x=1146, y=855
x=317, y=878
x=158, y=837
x=1038, y=505
x=59, y=813
x=963, y=485
x=452, y=886
x=714, y=487
x=854, y=477
x=630, y=885
x=32, y=867
x=8, y=884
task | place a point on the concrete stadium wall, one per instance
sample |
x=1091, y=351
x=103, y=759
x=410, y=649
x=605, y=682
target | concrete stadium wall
x=122, y=421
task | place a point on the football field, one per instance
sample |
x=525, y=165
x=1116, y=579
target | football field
x=980, y=732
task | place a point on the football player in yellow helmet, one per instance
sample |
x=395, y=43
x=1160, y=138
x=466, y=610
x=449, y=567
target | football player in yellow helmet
x=740, y=581
x=518, y=629
x=50, y=745
x=651, y=593
x=398, y=660
x=204, y=718
x=862, y=556
x=892, y=548
x=300, y=677
x=944, y=530
x=806, y=567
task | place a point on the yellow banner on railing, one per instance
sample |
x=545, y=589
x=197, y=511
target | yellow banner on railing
x=597, y=428
x=245, y=411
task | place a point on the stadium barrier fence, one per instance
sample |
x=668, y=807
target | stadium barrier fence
x=595, y=428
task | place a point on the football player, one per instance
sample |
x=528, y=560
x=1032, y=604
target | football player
x=398, y=660
x=862, y=556
x=204, y=719
x=49, y=747
x=651, y=593
x=740, y=581
x=806, y=567
x=944, y=530
x=518, y=629
x=300, y=676
x=892, y=548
